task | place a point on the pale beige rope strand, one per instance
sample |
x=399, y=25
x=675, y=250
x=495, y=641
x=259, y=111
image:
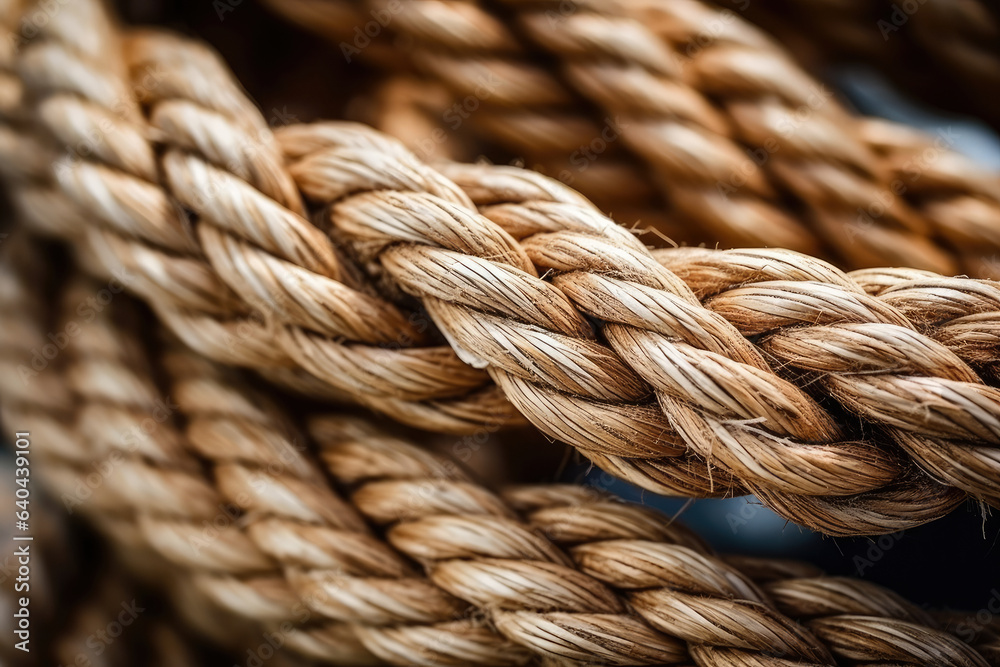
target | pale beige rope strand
x=867, y=525
x=958, y=197
x=396, y=642
x=863, y=357
x=27, y=155
x=257, y=469
x=424, y=385
x=341, y=572
x=705, y=271
x=21, y=160
x=644, y=84
x=104, y=442
x=148, y=476
x=501, y=95
x=477, y=541
x=967, y=376
x=92, y=112
x=127, y=433
x=476, y=550
x=171, y=281
x=254, y=235
x=797, y=137
x=905, y=502
x=178, y=511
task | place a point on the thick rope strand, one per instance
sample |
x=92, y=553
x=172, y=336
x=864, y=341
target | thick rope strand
x=578, y=257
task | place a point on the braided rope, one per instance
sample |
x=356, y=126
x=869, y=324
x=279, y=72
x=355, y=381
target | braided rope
x=702, y=380
x=558, y=377
x=26, y=155
x=737, y=137
x=555, y=572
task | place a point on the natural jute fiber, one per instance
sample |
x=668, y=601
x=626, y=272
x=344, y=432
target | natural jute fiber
x=532, y=575
x=681, y=117
x=853, y=404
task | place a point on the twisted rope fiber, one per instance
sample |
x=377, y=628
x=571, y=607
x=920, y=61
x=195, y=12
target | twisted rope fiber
x=535, y=341
x=150, y=495
x=730, y=127
x=26, y=156
x=627, y=576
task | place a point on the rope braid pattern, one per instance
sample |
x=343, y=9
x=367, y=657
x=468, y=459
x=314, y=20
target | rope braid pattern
x=723, y=422
x=959, y=199
x=553, y=573
x=556, y=376
x=28, y=154
x=177, y=508
x=730, y=126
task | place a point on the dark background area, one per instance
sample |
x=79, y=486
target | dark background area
x=952, y=563
x=282, y=67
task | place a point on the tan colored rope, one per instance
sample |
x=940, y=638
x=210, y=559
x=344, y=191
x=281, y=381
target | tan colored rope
x=27, y=156
x=678, y=395
x=499, y=587
x=737, y=137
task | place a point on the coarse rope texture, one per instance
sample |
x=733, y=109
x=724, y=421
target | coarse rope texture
x=852, y=404
x=361, y=548
x=680, y=117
